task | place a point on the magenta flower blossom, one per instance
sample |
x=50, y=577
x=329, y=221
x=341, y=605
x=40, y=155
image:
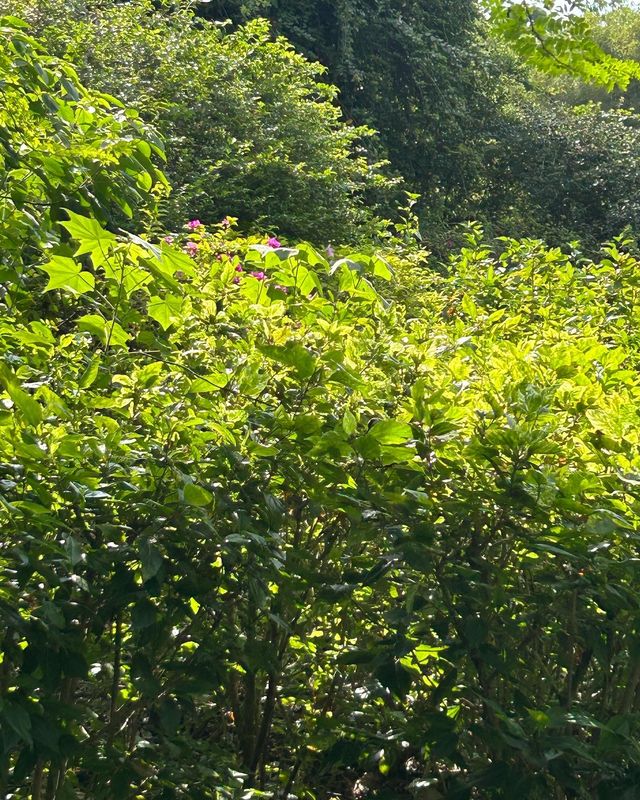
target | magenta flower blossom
x=191, y=248
x=239, y=268
x=168, y=239
x=236, y=280
x=259, y=276
x=193, y=224
x=225, y=223
x=273, y=242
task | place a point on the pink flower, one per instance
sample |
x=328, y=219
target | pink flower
x=236, y=280
x=168, y=239
x=191, y=248
x=330, y=251
x=273, y=242
x=225, y=223
x=259, y=276
x=239, y=268
x=282, y=289
x=193, y=224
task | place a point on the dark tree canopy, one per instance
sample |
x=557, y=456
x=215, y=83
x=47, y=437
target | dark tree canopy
x=407, y=69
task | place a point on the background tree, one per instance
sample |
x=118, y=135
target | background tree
x=251, y=127
x=411, y=71
x=441, y=86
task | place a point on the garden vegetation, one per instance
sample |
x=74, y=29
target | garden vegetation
x=291, y=507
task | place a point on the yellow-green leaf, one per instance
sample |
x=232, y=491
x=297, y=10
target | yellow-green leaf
x=65, y=273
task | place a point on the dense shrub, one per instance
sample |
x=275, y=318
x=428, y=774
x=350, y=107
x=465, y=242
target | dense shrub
x=251, y=128
x=289, y=523
x=282, y=525
x=62, y=147
x=261, y=528
x=562, y=173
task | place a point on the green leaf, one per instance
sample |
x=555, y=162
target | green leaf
x=74, y=550
x=164, y=260
x=349, y=423
x=91, y=373
x=381, y=268
x=213, y=382
x=150, y=558
x=391, y=432
x=292, y=355
x=469, y=307
x=165, y=310
x=93, y=323
x=354, y=283
x=300, y=277
x=17, y=718
x=197, y=496
x=14, y=22
x=148, y=375
x=345, y=376
x=110, y=333
x=174, y=260
x=27, y=405
x=65, y=273
x=90, y=235
x=143, y=615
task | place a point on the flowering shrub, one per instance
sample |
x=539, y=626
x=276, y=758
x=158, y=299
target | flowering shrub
x=246, y=451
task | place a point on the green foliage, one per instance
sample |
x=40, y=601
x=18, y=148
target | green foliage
x=410, y=70
x=251, y=128
x=62, y=147
x=280, y=523
x=455, y=91
x=618, y=33
x=560, y=41
x=562, y=173
x=203, y=506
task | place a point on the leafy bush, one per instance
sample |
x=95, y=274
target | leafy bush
x=411, y=70
x=62, y=147
x=282, y=525
x=217, y=467
x=250, y=127
x=562, y=173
